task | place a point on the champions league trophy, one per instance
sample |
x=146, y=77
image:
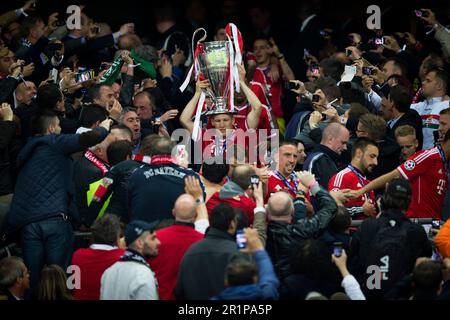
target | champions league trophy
x=217, y=62
x=214, y=61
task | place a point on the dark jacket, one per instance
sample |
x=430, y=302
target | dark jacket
x=413, y=119
x=9, y=148
x=418, y=243
x=202, y=270
x=44, y=183
x=323, y=163
x=282, y=237
x=85, y=173
x=266, y=288
x=298, y=286
x=153, y=190
x=388, y=158
x=120, y=174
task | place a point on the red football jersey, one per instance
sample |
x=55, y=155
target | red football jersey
x=351, y=178
x=278, y=183
x=427, y=175
x=271, y=89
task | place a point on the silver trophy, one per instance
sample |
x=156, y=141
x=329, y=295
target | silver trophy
x=214, y=62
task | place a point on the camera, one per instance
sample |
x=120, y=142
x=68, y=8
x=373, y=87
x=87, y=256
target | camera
x=241, y=241
x=367, y=71
x=254, y=180
x=379, y=41
x=337, y=249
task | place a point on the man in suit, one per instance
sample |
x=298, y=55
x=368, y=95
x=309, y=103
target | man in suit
x=396, y=111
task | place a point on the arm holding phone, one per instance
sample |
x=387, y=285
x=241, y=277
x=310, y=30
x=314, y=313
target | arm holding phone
x=441, y=35
x=349, y=283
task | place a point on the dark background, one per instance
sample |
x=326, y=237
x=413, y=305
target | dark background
x=346, y=15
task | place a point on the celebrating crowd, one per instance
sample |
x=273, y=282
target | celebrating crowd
x=321, y=173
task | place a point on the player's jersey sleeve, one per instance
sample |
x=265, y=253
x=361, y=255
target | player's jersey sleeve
x=416, y=165
x=331, y=184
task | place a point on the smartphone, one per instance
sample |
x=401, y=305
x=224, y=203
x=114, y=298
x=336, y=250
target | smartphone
x=367, y=71
x=315, y=98
x=104, y=66
x=436, y=224
x=292, y=85
x=379, y=41
x=420, y=13
x=53, y=74
x=315, y=70
x=60, y=23
x=337, y=249
x=84, y=76
x=254, y=180
x=241, y=241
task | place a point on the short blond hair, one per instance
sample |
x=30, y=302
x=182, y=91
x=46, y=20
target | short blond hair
x=404, y=131
x=374, y=125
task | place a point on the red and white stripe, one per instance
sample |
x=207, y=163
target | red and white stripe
x=340, y=176
x=420, y=158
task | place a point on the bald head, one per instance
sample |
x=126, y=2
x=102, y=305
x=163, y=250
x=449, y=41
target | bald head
x=335, y=136
x=280, y=205
x=184, y=209
x=25, y=92
x=242, y=175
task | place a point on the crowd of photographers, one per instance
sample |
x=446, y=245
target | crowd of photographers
x=97, y=200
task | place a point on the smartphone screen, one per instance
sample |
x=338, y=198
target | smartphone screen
x=337, y=249
x=241, y=241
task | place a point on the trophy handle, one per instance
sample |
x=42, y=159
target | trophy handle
x=200, y=40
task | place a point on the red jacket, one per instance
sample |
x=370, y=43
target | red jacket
x=92, y=264
x=175, y=241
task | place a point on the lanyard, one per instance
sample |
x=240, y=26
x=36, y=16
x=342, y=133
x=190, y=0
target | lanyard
x=444, y=159
x=93, y=159
x=293, y=178
x=361, y=179
x=224, y=145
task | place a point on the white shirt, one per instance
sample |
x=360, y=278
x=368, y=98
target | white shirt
x=429, y=111
x=83, y=130
x=128, y=280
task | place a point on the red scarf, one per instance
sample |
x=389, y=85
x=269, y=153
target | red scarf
x=163, y=160
x=141, y=158
x=93, y=159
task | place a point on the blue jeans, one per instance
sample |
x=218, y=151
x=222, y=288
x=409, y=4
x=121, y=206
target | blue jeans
x=46, y=242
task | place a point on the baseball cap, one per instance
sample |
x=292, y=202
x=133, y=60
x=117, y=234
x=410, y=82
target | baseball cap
x=399, y=188
x=136, y=228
